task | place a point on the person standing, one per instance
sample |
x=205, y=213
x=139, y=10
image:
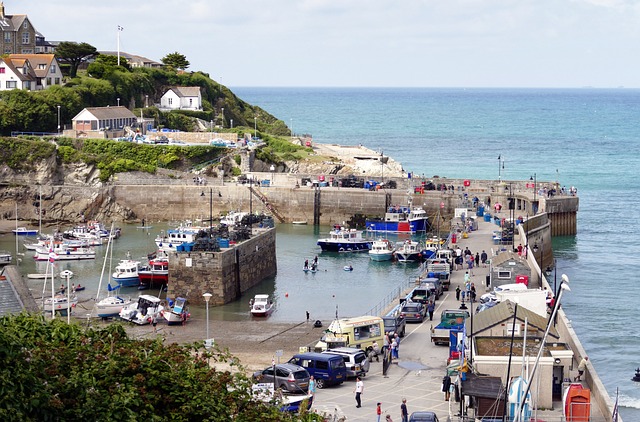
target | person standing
x=312, y=386
x=404, y=411
x=581, y=368
x=483, y=258
x=457, y=292
x=446, y=386
x=394, y=349
x=154, y=322
x=430, y=308
x=359, y=390
x=379, y=410
x=477, y=260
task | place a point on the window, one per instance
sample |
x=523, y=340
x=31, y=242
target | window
x=504, y=274
x=7, y=37
x=11, y=84
x=25, y=38
x=25, y=25
x=27, y=85
x=2, y=69
x=53, y=68
x=57, y=81
x=170, y=100
x=190, y=102
x=42, y=66
x=322, y=365
x=48, y=81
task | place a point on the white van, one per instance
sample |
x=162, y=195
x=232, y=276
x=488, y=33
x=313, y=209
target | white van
x=510, y=287
x=355, y=360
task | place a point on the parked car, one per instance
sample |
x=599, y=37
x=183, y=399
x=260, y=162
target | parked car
x=161, y=140
x=423, y=416
x=355, y=359
x=413, y=311
x=288, y=377
x=395, y=324
x=326, y=369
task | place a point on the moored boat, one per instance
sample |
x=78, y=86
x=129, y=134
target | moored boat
x=261, y=305
x=154, y=274
x=173, y=238
x=400, y=219
x=345, y=240
x=126, y=273
x=65, y=253
x=142, y=311
x=381, y=250
x=23, y=231
x=177, y=312
x=60, y=304
x=5, y=257
x=408, y=251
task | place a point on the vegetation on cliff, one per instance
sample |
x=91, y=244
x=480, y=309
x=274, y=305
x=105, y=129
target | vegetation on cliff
x=58, y=371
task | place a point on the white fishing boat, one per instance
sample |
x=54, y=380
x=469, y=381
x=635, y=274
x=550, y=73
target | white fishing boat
x=60, y=304
x=233, y=218
x=345, y=240
x=261, y=305
x=177, y=312
x=381, y=250
x=408, y=251
x=173, y=238
x=65, y=253
x=23, y=231
x=143, y=311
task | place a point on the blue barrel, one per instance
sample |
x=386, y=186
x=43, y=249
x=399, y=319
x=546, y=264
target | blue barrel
x=480, y=211
x=224, y=243
x=487, y=218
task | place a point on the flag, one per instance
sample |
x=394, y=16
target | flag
x=52, y=256
x=614, y=414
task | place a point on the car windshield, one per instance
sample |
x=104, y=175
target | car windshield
x=410, y=309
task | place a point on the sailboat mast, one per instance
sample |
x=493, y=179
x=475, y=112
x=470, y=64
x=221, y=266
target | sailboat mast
x=104, y=263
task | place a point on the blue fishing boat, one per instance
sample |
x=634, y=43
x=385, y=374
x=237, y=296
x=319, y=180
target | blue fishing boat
x=400, y=219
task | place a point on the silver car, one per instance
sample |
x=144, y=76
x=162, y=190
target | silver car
x=288, y=377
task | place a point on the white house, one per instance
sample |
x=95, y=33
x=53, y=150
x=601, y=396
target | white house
x=182, y=98
x=29, y=71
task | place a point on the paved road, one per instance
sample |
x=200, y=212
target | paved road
x=417, y=376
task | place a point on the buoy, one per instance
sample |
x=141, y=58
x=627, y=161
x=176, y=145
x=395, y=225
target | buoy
x=286, y=295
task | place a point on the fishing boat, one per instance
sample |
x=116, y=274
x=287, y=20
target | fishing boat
x=431, y=247
x=126, y=273
x=345, y=240
x=154, y=274
x=23, y=231
x=292, y=403
x=60, y=303
x=173, y=238
x=65, y=253
x=233, y=217
x=408, y=251
x=5, y=257
x=576, y=403
x=381, y=250
x=400, y=219
x=143, y=311
x=261, y=305
x=176, y=312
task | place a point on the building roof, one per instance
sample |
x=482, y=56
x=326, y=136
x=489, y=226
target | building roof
x=186, y=91
x=131, y=58
x=502, y=314
x=16, y=66
x=35, y=60
x=104, y=113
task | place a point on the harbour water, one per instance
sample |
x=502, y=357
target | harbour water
x=587, y=138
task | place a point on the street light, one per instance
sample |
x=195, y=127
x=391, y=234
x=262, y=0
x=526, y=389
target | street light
x=210, y=208
x=118, y=102
x=222, y=118
x=255, y=127
x=535, y=192
x=499, y=176
x=207, y=296
x=535, y=251
x=58, y=119
x=273, y=169
x=146, y=101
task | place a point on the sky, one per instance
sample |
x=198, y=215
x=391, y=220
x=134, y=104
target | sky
x=365, y=43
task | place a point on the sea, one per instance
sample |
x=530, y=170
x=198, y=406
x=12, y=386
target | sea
x=585, y=138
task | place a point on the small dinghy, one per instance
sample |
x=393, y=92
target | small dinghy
x=348, y=268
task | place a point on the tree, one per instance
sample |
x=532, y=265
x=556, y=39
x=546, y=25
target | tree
x=60, y=371
x=73, y=54
x=176, y=61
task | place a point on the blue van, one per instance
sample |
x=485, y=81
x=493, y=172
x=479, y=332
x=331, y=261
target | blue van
x=326, y=369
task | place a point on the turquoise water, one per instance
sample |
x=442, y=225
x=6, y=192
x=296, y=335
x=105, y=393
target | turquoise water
x=588, y=138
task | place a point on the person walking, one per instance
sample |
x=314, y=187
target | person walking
x=404, y=413
x=457, y=292
x=312, y=386
x=359, y=390
x=379, y=410
x=477, y=260
x=430, y=308
x=394, y=349
x=483, y=258
x=446, y=386
x=154, y=322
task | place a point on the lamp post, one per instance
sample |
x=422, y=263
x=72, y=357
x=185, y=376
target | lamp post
x=535, y=192
x=222, y=118
x=273, y=169
x=499, y=176
x=382, y=165
x=210, y=208
x=207, y=296
x=118, y=99
x=255, y=127
x=146, y=101
x=535, y=251
x=58, y=119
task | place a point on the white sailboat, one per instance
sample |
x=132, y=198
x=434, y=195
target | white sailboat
x=112, y=304
x=59, y=302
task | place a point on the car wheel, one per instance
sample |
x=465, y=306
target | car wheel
x=320, y=383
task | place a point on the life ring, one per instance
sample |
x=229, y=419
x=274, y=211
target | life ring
x=341, y=250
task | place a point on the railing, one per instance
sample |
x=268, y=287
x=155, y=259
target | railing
x=394, y=296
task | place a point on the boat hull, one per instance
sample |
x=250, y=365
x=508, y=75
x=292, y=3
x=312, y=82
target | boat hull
x=386, y=256
x=327, y=246
x=416, y=226
x=111, y=306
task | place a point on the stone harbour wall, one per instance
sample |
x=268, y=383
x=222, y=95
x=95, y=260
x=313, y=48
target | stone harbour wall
x=225, y=274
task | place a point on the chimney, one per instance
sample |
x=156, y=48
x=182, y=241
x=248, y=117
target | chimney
x=1, y=9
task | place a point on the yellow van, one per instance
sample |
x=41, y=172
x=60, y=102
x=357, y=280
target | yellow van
x=358, y=332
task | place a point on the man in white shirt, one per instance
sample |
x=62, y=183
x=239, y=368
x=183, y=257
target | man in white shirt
x=359, y=389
